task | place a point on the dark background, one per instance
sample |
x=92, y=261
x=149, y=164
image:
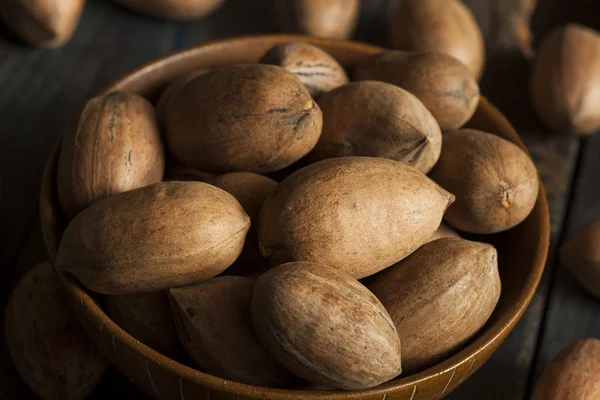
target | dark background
x=41, y=89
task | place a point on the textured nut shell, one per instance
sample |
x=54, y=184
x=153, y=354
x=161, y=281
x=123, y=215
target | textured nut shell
x=439, y=297
x=116, y=147
x=45, y=23
x=336, y=19
x=256, y=118
x=444, y=85
x=439, y=26
x=581, y=254
x=316, y=69
x=324, y=212
x=251, y=190
x=51, y=351
x=150, y=239
x=147, y=317
x=180, y=10
x=495, y=183
x=574, y=374
x=215, y=326
x=377, y=119
x=325, y=326
x=564, y=82
x=172, y=89
x=443, y=231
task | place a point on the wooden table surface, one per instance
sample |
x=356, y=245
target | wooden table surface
x=41, y=89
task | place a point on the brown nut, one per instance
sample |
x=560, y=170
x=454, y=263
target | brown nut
x=574, y=374
x=316, y=69
x=581, y=254
x=256, y=118
x=433, y=321
x=44, y=23
x=563, y=82
x=116, y=147
x=444, y=85
x=147, y=317
x=215, y=326
x=439, y=26
x=377, y=119
x=172, y=89
x=51, y=351
x=323, y=213
x=251, y=190
x=336, y=19
x=325, y=326
x=443, y=231
x=495, y=182
x=178, y=10
x=150, y=239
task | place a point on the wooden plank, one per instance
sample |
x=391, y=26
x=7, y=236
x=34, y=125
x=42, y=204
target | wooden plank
x=571, y=313
x=574, y=314
x=41, y=91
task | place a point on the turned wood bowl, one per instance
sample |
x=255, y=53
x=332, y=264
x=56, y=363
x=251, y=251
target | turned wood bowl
x=522, y=254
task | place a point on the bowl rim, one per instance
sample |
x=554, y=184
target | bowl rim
x=465, y=355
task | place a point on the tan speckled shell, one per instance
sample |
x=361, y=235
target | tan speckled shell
x=325, y=326
x=444, y=85
x=150, y=239
x=317, y=70
x=442, y=232
x=172, y=89
x=564, y=89
x=377, y=119
x=574, y=374
x=439, y=297
x=356, y=214
x=440, y=26
x=495, y=183
x=255, y=118
x=116, y=147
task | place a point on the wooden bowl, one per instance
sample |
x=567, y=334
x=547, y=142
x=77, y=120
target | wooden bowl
x=522, y=255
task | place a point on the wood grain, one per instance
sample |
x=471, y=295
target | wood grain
x=572, y=312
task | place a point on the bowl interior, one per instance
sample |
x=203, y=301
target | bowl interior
x=521, y=251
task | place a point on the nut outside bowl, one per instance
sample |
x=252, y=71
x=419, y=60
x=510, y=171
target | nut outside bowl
x=522, y=255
